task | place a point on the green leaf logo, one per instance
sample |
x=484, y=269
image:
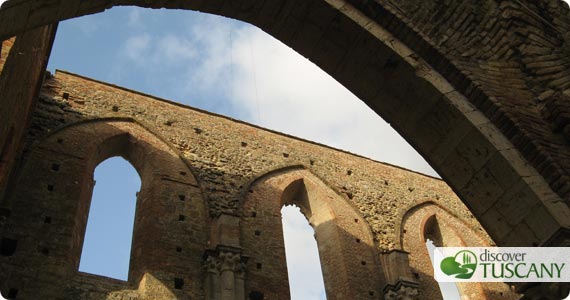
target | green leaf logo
x=463, y=264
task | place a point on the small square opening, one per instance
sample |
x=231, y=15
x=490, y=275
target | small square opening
x=256, y=295
x=12, y=293
x=8, y=246
x=178, y=283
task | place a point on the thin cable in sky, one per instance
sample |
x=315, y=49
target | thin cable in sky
x=232, y=77
x=254, y=80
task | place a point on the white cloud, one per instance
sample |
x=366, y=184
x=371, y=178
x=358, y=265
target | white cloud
x=281, y=90
x=152, y=52
x=271, y=85
x=174, y=48
x=215, y=37
x=134, y=18
x=136, y=46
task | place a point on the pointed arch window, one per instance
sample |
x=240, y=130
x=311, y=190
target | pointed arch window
x=434, y=238
x=108, y=237
x=449, y=290
x=337, y=233
x=302, y=256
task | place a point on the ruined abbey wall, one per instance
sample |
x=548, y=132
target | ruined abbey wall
x=226, y=155
x=208, y=223
x=479, y=88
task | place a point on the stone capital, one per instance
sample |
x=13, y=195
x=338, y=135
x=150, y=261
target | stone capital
x=225, y=258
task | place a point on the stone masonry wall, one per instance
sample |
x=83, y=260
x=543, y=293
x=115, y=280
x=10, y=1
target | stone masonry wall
x=208, y=213
x=227, y=155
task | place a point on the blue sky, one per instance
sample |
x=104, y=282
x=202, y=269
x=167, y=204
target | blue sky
x=106, y=248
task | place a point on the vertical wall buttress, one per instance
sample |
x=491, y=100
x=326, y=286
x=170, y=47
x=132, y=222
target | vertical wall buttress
x=224, y=263
x=21, y=78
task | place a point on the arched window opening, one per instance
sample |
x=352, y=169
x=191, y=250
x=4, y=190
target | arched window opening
x=107, y=244
x=302, y=255
x=433, y=238
x=449, y=290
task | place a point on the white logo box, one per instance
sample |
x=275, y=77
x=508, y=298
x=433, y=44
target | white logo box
x=502, y=264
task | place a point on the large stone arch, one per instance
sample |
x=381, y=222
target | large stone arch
x=54, y=196
x=487, y=108
x=349, y=258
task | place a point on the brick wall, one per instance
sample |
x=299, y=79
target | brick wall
x=202, y=166
x=445, y=230
x=227, y=155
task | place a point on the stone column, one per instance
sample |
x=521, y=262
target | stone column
x=212, y=267
x=400, y=284
x=225, y=268
x=229, y=260
x=225, y=265
x=240, y=280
